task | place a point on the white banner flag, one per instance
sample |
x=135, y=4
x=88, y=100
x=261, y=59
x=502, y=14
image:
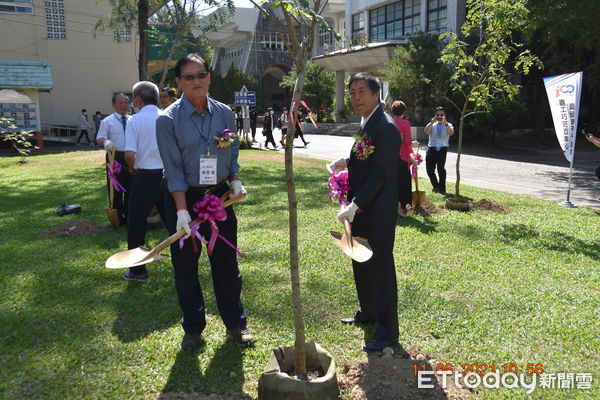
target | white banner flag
x=564, y=92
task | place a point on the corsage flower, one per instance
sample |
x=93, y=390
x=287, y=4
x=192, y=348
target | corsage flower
x=363, y=147
x=226, y=138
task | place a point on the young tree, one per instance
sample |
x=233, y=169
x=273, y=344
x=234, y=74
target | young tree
x=485, y=59
x=301, y=20
x=179, y=16
x=319, y=86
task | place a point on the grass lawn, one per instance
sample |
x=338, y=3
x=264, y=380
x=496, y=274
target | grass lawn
x=519, y=287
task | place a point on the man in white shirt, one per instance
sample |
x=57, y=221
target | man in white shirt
x=111, y=135
x=145, y=164
x=439, y=131
x=84, y=125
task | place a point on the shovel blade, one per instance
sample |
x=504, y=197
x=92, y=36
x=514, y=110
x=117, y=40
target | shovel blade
x=113, y=218
x=360, y=251
x=132, y=258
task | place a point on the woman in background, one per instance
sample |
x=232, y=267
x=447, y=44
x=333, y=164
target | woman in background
x=406, y=151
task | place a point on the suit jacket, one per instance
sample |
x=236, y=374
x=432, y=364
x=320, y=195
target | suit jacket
x=373, y=181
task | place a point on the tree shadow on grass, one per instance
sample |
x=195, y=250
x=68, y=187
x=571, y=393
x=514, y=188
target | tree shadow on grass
x=143, y=308
x=558, y=241
x=224, y=373
x=425, y=225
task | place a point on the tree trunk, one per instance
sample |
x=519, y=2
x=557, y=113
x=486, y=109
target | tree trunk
x=299, y=346
x=167, y=60
x=143, y=10
x=459, y=151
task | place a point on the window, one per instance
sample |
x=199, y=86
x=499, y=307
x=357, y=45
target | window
x=326, y=37
x=271, y=41
x=394, y=21
x=436, y=15
x=16, y=6
x=124, y=35
x=358, y=27
x=55, y=19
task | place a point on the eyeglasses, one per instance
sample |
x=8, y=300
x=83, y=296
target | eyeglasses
x=191, y=77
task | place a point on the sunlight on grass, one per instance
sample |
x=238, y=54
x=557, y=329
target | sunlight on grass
x=517, y=287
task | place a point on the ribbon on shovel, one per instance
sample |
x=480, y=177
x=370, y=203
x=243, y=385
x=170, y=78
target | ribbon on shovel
x=339, y=186
x=112, y=172
x=293, y=112
x=210, y=209
x=418, y=159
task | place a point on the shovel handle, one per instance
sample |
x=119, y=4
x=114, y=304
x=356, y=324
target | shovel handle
x=111, y=188
x=348, y=230
x=174, y=237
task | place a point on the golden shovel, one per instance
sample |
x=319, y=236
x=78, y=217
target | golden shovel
x=141, y=255
x=355, y=247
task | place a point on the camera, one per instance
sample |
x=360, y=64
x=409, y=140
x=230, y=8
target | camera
x=439, y=118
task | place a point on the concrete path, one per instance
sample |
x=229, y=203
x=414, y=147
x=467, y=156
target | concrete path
x=532, y=172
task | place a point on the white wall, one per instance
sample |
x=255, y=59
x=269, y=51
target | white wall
x=86, y=70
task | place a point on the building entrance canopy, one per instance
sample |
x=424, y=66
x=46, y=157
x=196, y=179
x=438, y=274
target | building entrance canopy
x=368, y=58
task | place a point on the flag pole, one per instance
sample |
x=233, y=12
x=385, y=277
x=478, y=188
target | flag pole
x=568, y=202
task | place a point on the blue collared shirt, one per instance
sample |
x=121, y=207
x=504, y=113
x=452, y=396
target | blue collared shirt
x=184, y=135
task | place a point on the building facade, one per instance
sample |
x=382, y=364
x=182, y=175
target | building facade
x=373, y=28
x=86, y=68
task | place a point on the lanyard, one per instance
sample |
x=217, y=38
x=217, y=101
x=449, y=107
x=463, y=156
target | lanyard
x=206, y=140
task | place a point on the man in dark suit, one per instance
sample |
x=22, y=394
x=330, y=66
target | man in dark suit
x=372, y=169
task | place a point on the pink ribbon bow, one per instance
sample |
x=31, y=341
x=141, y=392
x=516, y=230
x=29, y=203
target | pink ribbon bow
x=339, y=186
x=112, y=172
x=419, y=159
x=293, y=112
x=210, y=209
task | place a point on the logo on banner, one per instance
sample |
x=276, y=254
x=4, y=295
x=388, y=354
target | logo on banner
x=565, y=89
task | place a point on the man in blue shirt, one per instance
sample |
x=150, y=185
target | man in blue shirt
x=186, y=134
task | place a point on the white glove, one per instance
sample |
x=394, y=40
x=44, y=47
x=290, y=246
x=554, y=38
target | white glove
x=183, y=222
x=338, y=165
x=237, y=188
x=108, y=145
x=347, y=213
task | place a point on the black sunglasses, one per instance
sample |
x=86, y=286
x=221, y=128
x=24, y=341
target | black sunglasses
x=191, y=77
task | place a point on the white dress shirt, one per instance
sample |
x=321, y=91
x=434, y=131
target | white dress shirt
x=111, y=128
x=140, y=137
x=363, y=120
x=433, y=135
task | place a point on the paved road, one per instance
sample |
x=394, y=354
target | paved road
x=537, y=173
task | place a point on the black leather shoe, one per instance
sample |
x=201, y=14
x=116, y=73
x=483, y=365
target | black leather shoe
x=191, y=341
x=378, y=345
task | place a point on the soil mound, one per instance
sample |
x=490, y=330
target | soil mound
x=76, y=227
x=488, y=205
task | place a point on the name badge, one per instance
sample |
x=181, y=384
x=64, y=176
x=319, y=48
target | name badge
x=208, y=170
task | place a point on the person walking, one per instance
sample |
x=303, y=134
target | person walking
x=268, y=127
x=188, y=135
x=111, y=135
x=406, y=151
x=143, y=158
x=253, y=117
x=372, y=169
x=282, y=122
x=439, y=131
x=84, y=125
x=596, y=141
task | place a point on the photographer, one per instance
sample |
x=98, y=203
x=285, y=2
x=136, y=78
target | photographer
x=596, y=142
x=439, y=131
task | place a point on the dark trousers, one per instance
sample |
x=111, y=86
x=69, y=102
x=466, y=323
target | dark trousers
x=283, y=135
x=145, y=194
x=404, y=184
x=253, y=129
x=436, y=159
x=598, y=172
x=299, y=134
x=269, y=137
x=226, y=277
x=81, y=133
x=376, y=281
x=120, y=198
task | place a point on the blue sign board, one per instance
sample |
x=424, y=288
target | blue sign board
x=245, y=98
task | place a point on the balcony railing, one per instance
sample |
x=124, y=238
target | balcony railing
x=328, y=44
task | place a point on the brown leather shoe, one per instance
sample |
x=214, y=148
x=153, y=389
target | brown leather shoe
x=240, y=336
x=190, y=341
